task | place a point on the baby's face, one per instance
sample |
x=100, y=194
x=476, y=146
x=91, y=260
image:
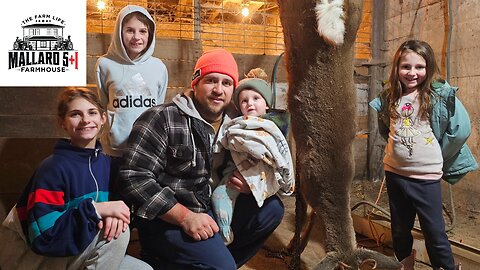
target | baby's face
x=252, y=103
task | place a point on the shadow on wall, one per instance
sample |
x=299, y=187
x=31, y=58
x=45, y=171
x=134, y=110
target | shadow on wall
x=18, y=160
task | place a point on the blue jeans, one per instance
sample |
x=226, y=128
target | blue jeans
x=409, y=197
x=166, y=246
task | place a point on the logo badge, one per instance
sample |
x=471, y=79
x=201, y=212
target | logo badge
x=196, y=74
x=46, y=45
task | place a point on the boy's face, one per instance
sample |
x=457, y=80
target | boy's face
x=134, y=37
x=213, y=93
x=252, y=103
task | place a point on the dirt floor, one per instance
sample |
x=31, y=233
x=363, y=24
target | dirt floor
x=463, y=223
x=466, y=230
x=313, y=253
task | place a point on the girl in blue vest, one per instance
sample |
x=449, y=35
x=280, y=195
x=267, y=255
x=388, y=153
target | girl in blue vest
x=426, y=127
x=63, y=218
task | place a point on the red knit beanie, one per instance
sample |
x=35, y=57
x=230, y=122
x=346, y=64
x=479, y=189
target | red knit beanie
x=216, y=60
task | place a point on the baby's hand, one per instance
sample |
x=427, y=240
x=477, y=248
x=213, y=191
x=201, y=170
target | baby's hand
x=238, y=183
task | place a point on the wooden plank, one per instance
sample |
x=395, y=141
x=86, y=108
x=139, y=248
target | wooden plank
x=28, y=100
x=30, y=126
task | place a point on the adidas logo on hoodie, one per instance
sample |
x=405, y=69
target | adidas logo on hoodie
x=130, y=102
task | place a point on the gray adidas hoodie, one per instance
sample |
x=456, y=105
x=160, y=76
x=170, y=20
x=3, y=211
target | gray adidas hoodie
x=127, y=87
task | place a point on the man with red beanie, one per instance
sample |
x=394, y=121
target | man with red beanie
x=166, y=176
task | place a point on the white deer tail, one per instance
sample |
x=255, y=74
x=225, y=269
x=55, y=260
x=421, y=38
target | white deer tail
x=330, y=20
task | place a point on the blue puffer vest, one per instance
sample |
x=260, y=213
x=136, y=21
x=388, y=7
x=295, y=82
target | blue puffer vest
x=450, y=124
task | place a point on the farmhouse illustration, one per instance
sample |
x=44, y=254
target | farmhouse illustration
x=43, y=32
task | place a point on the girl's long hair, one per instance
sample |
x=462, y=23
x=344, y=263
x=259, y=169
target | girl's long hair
x=395, y=91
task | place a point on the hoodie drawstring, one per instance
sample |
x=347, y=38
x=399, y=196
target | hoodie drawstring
x=91, y=173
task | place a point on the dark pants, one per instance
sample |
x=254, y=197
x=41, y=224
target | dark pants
x=408, y=197
x=166, y=246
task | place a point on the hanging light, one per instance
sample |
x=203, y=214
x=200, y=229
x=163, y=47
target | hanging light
x=245, y=11
x=101, y=5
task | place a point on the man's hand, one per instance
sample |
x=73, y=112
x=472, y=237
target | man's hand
x=199, y=226
x=238, y=183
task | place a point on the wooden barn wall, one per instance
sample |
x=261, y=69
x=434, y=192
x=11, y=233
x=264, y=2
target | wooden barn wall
x=28, y=125
x=428, y=21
